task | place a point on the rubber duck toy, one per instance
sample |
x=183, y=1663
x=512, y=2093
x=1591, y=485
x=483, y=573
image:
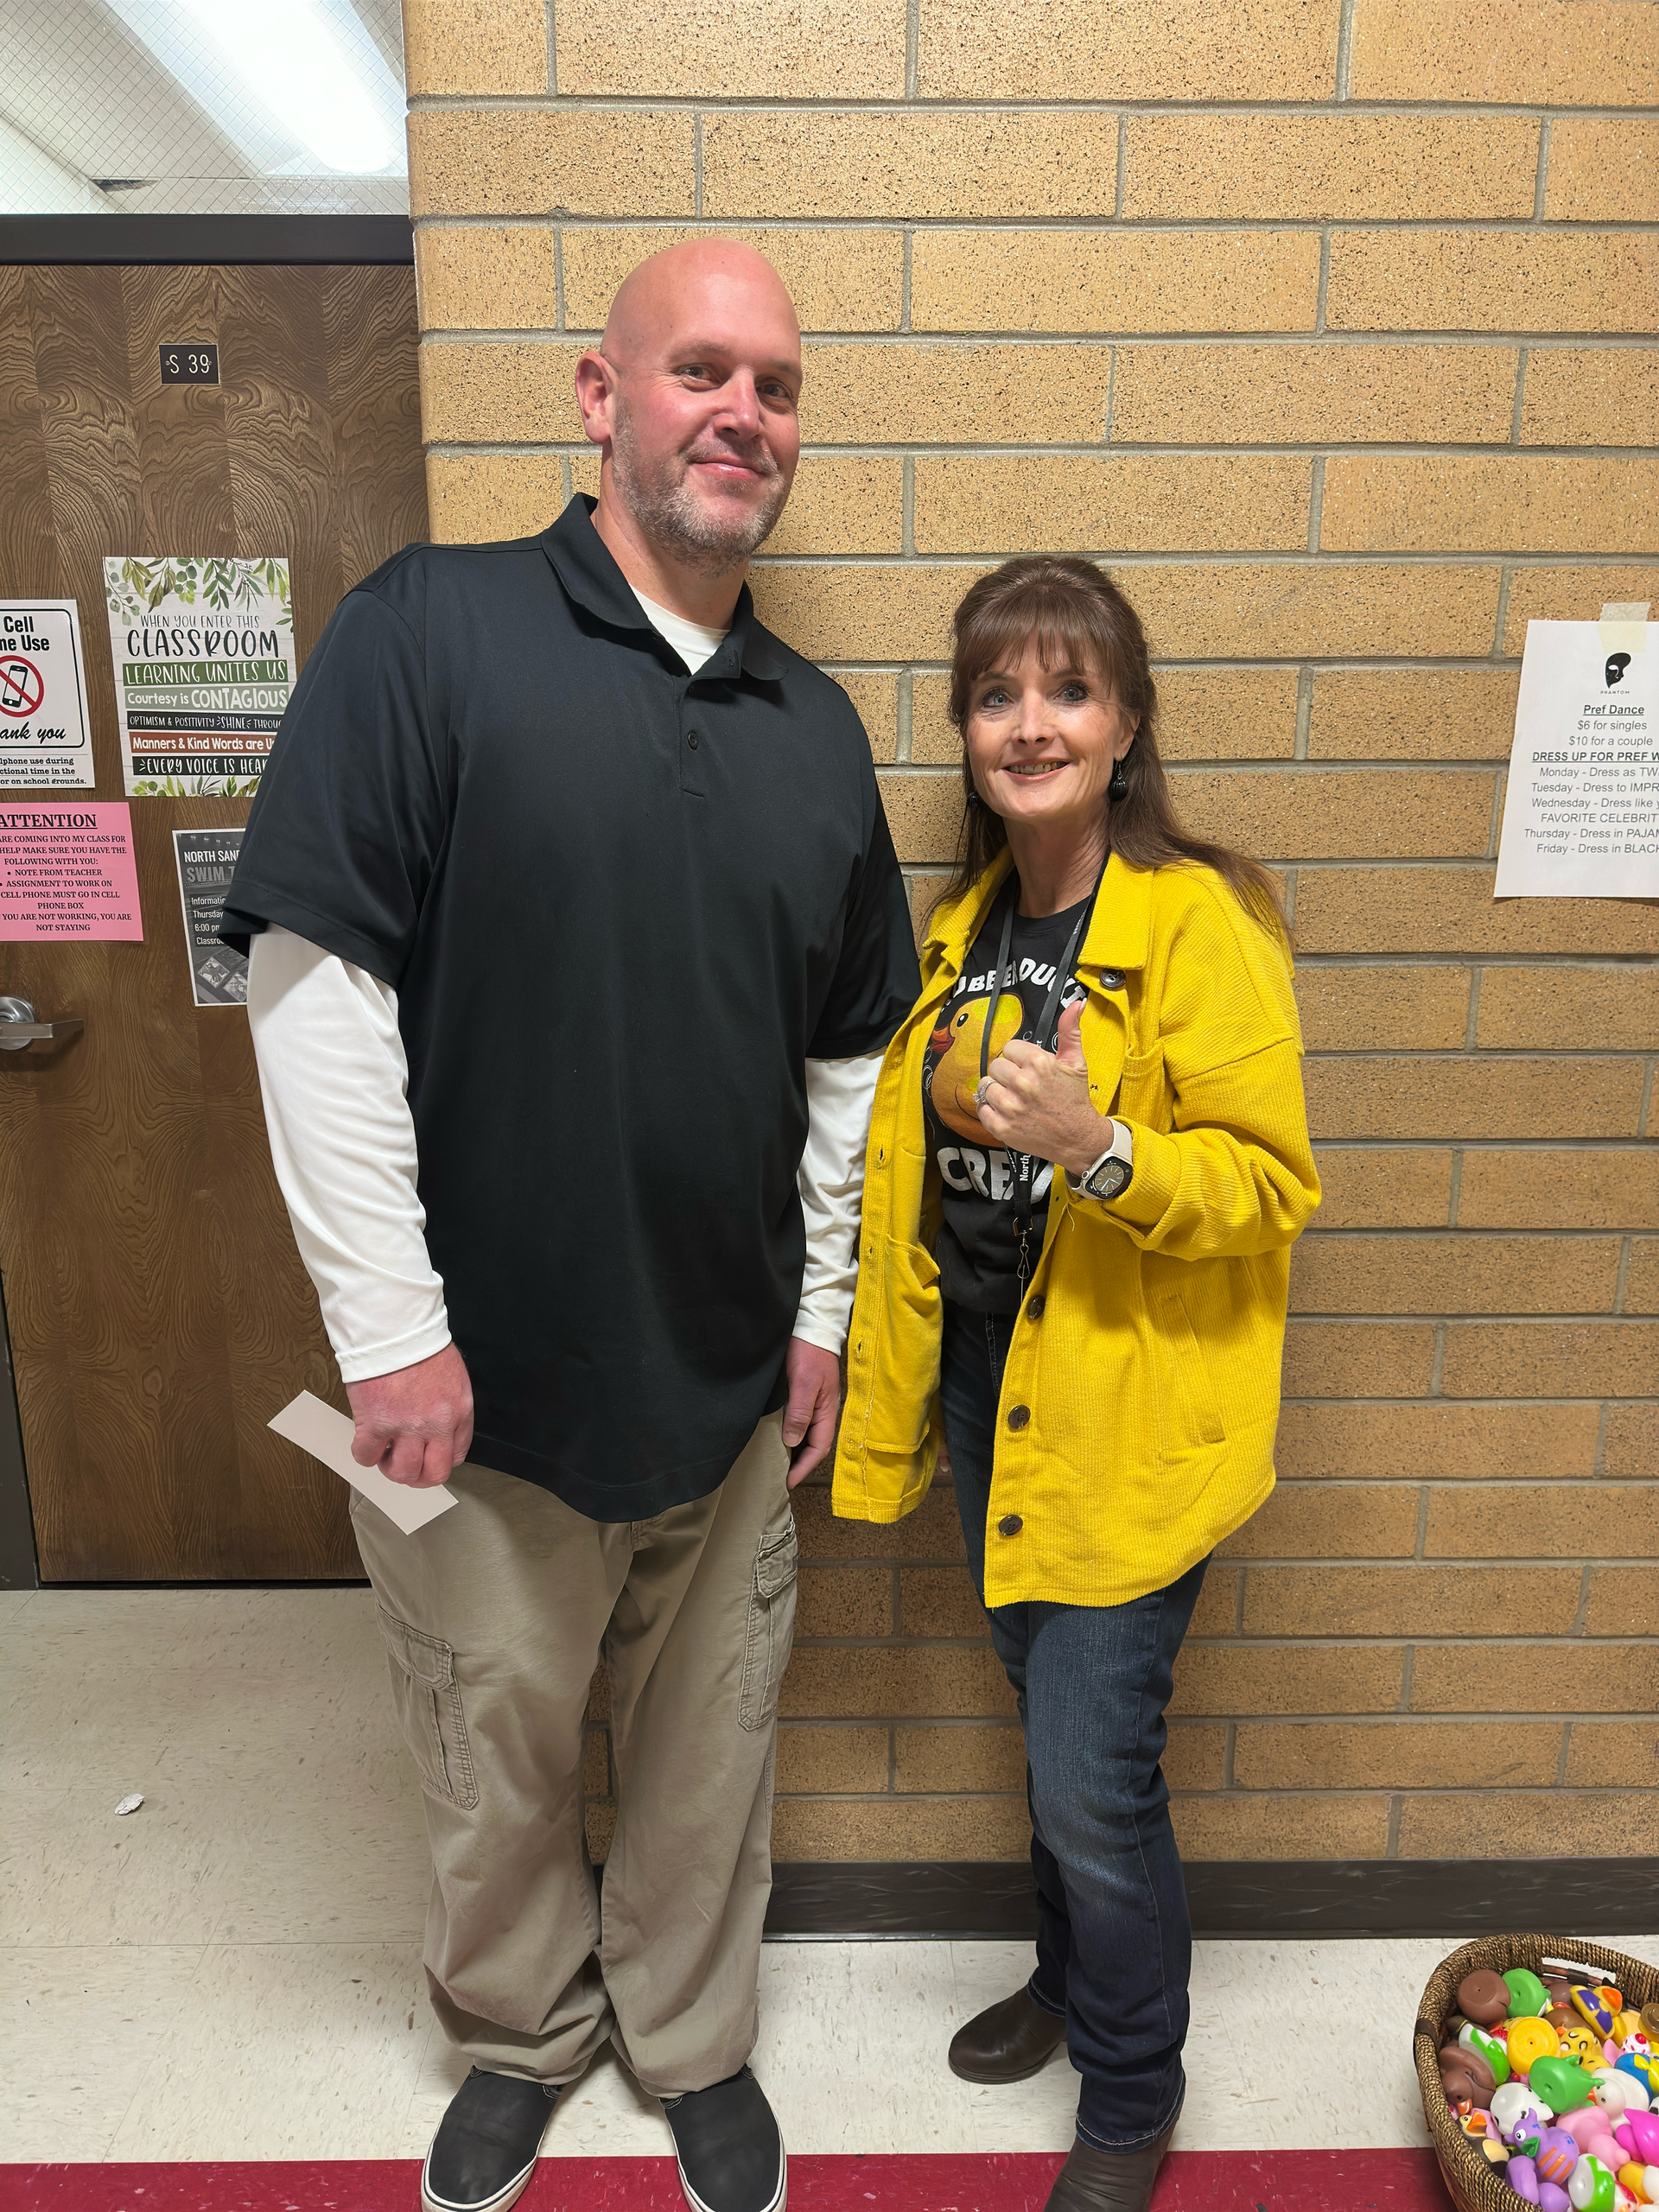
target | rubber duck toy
x=1618, y=2093
x=1638, y=2134
x=1560, y=2083
x=1592, y=2187
x=1483, y=1997
x=1490, y=2048
x=1529, y=2040
x=1527, y=1996
x=1519, y=2112
x=1594, y=2009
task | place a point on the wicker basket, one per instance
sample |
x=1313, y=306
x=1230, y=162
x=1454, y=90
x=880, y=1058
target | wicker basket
x=1474, y=2185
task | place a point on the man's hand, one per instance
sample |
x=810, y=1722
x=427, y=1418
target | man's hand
x=415, y=1424
x=809, y=1417
x=1037, y=1103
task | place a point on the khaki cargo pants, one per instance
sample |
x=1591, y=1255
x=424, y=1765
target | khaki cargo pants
x=494, y=1616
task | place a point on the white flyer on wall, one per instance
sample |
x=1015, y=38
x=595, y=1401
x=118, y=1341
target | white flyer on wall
x=204, y=668
x=46, y=742
x=1581, y=809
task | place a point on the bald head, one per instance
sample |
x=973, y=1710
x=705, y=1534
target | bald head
x=701, y=280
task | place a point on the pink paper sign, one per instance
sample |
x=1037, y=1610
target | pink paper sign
x=68, y=872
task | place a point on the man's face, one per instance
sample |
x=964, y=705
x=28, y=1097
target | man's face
x=702, y=415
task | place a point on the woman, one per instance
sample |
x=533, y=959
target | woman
x=1088, y=1161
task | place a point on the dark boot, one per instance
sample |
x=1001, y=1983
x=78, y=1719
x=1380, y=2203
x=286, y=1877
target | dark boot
x=1008, y=2042
x=1108, y=2181
x=484, y=2154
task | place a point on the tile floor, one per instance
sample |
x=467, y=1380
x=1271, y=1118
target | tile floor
x=233, y=1972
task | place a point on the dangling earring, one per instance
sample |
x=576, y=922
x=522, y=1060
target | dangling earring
x=1118, y=789
x=974, y=798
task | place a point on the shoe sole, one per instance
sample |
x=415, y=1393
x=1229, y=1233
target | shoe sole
x=431, y=2202
x=778, y=2203
x=997, y=2080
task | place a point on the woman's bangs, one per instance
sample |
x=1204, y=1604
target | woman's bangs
x=1065, y=626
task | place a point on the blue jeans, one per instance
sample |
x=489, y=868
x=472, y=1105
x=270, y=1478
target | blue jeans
x=1113, y=1941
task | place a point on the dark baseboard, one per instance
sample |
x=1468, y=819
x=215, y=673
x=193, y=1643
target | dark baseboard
x=201, y=241
x=1454, y=1897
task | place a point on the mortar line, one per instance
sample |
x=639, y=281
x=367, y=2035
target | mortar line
x=912, y=48
x=1623, y=1276
x=1495, y=826
x=1520, y=396
x=552, y=50
x=1391, y=1847
x=904, y=325
x=907, y=500
x=1111, y=394
x=558, y=278
x=1238, y=1603
x=1291, y=876
x=1540, y=190
x=566, y=491
x=1456, y=1191
x=1002, y=104
x=1438, y=1366
x=1324, y=280
x=1577, y=1627
x=1419, y=1549
x=1472, y=1033
x=1642, y=1128
x=1404, y=1704
x=1304, y=712
x=1501, y=620
x=906, y=716
x=1345, y=46
x=1316, y=502
x=1122, y=166
x=1566, y=1743
x=1598, y=1455
x=696, y=164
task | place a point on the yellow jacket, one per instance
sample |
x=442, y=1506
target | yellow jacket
x=1146, y=1357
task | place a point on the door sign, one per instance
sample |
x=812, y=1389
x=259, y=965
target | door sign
x=67, y=871
x=204, y=666
x=45, y=743
x=206, y=861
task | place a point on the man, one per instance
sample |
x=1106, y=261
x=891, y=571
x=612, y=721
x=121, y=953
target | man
x=560, y=841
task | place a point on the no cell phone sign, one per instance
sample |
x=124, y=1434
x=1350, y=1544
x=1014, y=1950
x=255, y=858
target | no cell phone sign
x=45, y=744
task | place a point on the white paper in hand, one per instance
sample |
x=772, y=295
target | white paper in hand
x=326, y=1435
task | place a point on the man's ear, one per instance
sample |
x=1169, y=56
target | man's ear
x=596, y=395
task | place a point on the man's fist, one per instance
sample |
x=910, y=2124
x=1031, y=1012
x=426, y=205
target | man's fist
x=415, y=1424
x=814, y=1406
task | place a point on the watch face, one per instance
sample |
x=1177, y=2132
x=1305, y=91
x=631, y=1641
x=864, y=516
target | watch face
x=1108, y=1180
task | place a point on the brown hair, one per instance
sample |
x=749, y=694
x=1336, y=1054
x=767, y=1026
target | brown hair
x=1080, y=619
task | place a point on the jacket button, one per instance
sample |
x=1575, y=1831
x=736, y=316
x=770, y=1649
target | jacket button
x=1009, y=1525
x=1034, y=1306
x=1018, y=1416
x=692, y=740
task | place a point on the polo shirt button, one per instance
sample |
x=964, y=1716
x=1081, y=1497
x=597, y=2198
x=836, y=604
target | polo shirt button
x=1018, y=1416
x=692, y=740
x=1009, y=1525
x=1034, y=1307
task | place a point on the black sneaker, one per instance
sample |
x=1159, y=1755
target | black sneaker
x=484, y=2154
x=727, y=2148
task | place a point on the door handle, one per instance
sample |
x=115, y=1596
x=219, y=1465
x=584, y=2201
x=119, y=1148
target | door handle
x=18, y=1027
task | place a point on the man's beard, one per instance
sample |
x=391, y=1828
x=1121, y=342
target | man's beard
x=707, y=537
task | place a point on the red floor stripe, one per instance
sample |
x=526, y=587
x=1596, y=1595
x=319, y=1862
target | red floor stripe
x=1191, y=2181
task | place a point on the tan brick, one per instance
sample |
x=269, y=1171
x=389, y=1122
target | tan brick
x=1357, y=1009
x=1194, y=1757
x=1613, y=1754
x=596, y=1763
x=1533, y=1008
x=1397, y=1755
x=1560, y=595
x=940, y=1601
x=1521, y=1520
x=1413, y=714
x=742, y=50
x=875, y=695
x=1367, y=1359
x=1624, y=1601
x=1408, y=1600
x=1075, y=50
x=933, y=736
x=1385, y=1190
x=474, y=277
x=510, y=160
x=1348, y=167
x=1453, y=1274
x=1602, y=169
x=1560, y=1190
x=1452, y=910
x=1226, y=713
x=1301, y=813
x=1114, y=280
x=1470, y=1443
x=841, y=503
x=502, y=393
x=1200, y=610
x=932, y=1531
x=598, y=1694
x=1321, y=1678
x=1312, y=394
x=600, y=1822
x=477, y=498
x=1642, y=1283
x=1493, y=280
x=1463, y=1677
x=919, y=164
x=1176, y=503
x=925, y=892
x=1555, y=1824
x=839, y=280
x=1389, y=503
x=969, y=1759
x=1520, y=52
x=1590, y=396
x=923, y=813
x=1231, y=1826
x=1310, y=1522
x=873, y=611
x=845, y=1601
x=1631, y=1448
x=867, y=394
x=824, y=1682
x=813, y=1828
x=826, y=1761
x=1217, y=1611
x=1473, y=1097
x=1550, y=1359
x=479, y=46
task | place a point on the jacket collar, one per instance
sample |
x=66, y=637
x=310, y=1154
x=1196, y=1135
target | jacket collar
x=1120, y=932
x=583, y=564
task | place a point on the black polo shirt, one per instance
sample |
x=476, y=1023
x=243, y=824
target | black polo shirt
x=621, y=906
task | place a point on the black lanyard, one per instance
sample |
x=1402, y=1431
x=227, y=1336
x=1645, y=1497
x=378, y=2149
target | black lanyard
x=1046, y=1034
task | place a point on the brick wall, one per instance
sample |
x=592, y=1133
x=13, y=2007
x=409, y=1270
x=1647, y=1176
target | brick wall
x=1328, y=323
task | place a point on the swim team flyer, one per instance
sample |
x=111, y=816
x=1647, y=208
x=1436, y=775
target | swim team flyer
x=1581, y=812
x=204, y=668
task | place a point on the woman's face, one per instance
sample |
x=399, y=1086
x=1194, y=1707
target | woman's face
x=1042, y=742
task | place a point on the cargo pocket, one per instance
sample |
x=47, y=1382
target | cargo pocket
x=770, y=1626
x=428, y=1705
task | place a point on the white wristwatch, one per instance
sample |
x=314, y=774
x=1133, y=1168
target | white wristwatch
x=1111, y=1173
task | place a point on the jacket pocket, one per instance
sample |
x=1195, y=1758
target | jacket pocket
x=1141, y=1090
x=906, y=1372
x=1192, y=1417
x=428, y=1707
x=769, y=1629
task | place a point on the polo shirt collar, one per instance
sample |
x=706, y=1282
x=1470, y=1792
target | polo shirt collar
x=583, y=563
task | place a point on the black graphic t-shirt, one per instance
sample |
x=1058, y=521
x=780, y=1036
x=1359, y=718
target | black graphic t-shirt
x=979, y=1247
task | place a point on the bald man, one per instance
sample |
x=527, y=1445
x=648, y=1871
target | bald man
x=577, y=937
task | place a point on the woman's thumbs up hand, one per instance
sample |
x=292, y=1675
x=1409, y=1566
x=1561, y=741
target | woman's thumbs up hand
x=1037, y=1103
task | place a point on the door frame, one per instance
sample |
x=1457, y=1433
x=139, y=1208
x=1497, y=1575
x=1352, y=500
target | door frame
x=19, y=1565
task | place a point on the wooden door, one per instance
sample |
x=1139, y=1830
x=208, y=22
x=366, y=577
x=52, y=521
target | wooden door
x=158, y=1313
